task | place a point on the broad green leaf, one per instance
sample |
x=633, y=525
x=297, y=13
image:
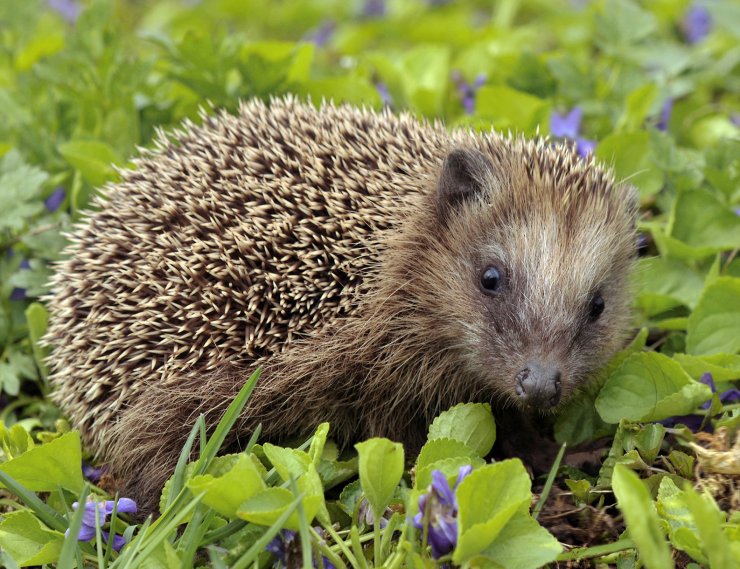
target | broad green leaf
x=522, y=544
x=649, y=387
x=450, y=467
x=723, y=367
x=579, y=419
x=442, y=448
x=638, y=105
x=639, y=512
x=44, y=468
x=93, y=159
x=488, y=498
x=632, y=159
x=227, y=492
x=15, y=441
x=287, y=461
x=28, y=541
x=508, y=109
x=381, y=467
x=701, y=220
x=469, y=423
x=265, y=507
x=714, y=326
x=664, y=283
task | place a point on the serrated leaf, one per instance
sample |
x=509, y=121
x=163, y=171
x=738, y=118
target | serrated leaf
x=287, y=461
x=20, y=188
x=523, y=544
x=469, y=423
x=442, y=448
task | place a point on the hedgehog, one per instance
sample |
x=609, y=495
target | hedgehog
x=379, y=269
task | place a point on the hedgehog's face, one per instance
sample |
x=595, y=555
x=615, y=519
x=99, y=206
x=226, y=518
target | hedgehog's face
x=542, y=262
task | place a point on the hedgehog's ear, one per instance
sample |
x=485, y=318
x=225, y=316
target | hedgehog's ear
x=465, y=173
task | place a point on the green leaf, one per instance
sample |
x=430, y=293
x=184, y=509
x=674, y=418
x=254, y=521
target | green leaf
x=579, y=420
x=723, y=367
x=469, y=423
x=664, y=283
x=511, y=109
x=709, y=519
x=44, y=468
x=443, y=448
x=522, y=544
x=488, y=498
x=37, y=318
x=639, y=512
x=266, y=506
x=93, y=159
x=227, y=492
x=28, y=541
x=288, y=462
x=20, y=188
x=679, y=522
x=631, y=156
x=701, y=220
x=638, y=105
x=649, y=387
x=381, y=467
x=714, y=326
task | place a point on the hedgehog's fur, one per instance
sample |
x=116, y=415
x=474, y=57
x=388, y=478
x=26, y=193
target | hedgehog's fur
x=327, y=246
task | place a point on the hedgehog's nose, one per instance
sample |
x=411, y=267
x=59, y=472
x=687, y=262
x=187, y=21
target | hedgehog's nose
x=538, y=385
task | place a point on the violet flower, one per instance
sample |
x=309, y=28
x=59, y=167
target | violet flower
x=568, y=126
x=322, y=35
x=19, y=293
x=385, y=94
x=374, y=8
x=92, y=473
x=694, y=422
x=101, y=511
x=55, y=200
x=697, y=23
x=285, y=546
x=439, y=503
x=67, y=9
x=665, y=114
x=467, y=90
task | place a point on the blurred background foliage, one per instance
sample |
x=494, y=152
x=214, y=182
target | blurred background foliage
x=649, y=87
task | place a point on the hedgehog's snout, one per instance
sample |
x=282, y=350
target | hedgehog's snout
x=538, y=385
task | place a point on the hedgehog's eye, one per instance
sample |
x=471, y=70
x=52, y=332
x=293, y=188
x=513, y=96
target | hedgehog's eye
x=595, y=308
x=491, y=280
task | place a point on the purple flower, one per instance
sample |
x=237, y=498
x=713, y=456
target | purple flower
x=18, y=293
x=735, y=119
x=67, y=9
x=467, y=90
x=439, y=506
x=374, y=8
x=55, y=200
x=697, y=23
x=285, y=545
x=365, y=513
x=568, y=126
x=92, y=473
x=694, y=422
x=321, y=35
x=665, y=114
x=385, y=95
x=96, y=514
